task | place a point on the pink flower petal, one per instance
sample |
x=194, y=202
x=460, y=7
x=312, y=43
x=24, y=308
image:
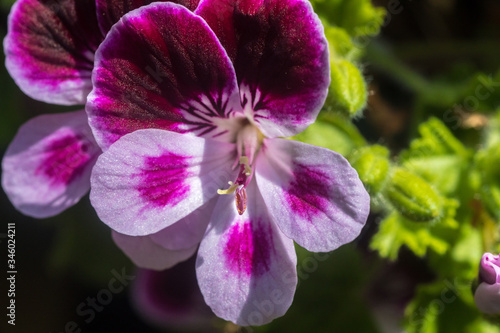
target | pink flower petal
x=487, y=298
x=280, y=55
x=187, y=232
x=145, y=253
x=46, y=168
x=150, y=179
x=312, y=193
x=50, y=48
x=176, y=77
x=246, y=267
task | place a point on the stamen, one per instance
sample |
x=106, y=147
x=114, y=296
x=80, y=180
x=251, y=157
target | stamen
x=239, y=185
x=230, y=190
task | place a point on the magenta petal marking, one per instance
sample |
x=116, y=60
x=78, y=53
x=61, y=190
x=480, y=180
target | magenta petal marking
x=247, y=249
x=307, y=195
x=244, y=260
x=66, y=159
x=47, y=167
x=312, y=193
x=163, y=180
x=150, y=179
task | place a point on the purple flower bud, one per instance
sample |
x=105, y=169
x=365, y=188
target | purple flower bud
x=489, y=269
x=487, y=295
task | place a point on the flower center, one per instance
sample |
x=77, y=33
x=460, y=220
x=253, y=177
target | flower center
x=248, y=142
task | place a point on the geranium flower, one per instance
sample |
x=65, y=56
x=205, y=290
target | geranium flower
x=49, y=50
x=487, y=294
x=184, y=103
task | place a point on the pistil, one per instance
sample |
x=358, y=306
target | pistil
x=248, y=142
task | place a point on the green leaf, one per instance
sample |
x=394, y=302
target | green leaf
x=438, y=157
x=466, y=253
x=490, y=196
x=436, y=139
x=413, y=197
x=357, y=17
x=372, y=164
x=444, y=172
x=486, y=164
x=333, y=132
x=396, y=231
x=347, y=92
x=340, y=43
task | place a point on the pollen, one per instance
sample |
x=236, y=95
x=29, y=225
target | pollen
x=246, y=165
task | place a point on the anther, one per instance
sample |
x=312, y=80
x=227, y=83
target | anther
x=239, y=185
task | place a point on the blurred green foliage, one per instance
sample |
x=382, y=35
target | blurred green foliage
x=356, y=17
x=348, y=24
x=438, y=198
